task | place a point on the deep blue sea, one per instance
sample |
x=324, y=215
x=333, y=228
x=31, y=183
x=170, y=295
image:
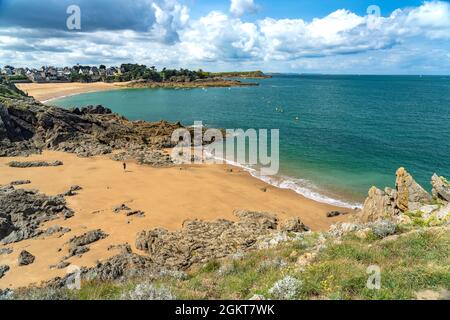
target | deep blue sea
x=339, y=135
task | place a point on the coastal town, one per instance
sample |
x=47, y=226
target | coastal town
x=122, y=73
x=59, y=74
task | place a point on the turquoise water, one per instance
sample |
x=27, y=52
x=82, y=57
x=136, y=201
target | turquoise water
x=352, y=131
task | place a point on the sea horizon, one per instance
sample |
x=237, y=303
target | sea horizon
x=306, y=165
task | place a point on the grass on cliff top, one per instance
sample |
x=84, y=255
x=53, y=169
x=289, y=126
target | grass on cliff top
x=410, y=263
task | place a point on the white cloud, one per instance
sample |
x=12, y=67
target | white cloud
x=241, y=7
x=340, y=40
x=170, y=18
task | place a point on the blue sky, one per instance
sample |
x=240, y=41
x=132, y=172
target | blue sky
x=305, y=9
x=311, y=36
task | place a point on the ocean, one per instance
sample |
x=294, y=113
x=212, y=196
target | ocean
x=339, y=134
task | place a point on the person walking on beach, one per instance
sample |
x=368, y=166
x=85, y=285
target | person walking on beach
x=124, y=166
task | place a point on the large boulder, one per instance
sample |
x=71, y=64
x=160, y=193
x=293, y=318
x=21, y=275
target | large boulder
x=25, y=258
x=441, y=188
x=22, y=212
x=6, y=227
x=78, y=245
x=379, y=205
x=3, y=270
x=87, y=238
x=293, y=225
x=410, y=195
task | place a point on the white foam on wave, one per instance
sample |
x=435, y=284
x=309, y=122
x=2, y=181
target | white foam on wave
x=300, y=186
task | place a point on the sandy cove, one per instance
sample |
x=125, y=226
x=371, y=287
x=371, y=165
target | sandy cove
x=45, y=92
x=168, y=196
x=49, y=91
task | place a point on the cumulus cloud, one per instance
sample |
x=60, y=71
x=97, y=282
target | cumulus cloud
x=169, y=37
x=218, y=36
x=240, y=7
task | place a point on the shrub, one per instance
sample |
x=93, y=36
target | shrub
x=211, y=266
x=286, y=288
x=147, y=291
x=174, y=274
x=227, y=269
x=275, y=264
x=45, y=294
x=6, y=294
x=384, y=228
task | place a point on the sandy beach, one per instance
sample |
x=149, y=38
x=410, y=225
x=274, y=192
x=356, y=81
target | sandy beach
x=45, y=92
x=168, y=196
x=49, y=91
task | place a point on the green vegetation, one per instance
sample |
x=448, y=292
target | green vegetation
x=9, y=91
x=240, y=74
x=17, y=78
x=129, y=72
x=410, y=262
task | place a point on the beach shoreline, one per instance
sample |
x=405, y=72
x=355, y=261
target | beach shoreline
x=204, y=192
x=50, y=92
x=187, y=192
x=45, y=92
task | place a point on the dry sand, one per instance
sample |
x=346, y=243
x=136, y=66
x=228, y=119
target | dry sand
x=48, y=91
x=168, y=196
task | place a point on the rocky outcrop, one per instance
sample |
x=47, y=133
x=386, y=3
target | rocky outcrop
x=293, y=225
x=34, y=164
x=443, y=212
x=441, y=188
x=410, y=195
x=120, y=208
x=5, y=251
x=78, y=244
x=3, y=270
x=72, y=191
x=407, y=198
x=87, y=238
x=56, y=230
x=332, y=214
x=379, y=205
x=25, y=258
x=22, y=212
x=27, y=127
x=60, y=265
x=200, y=241
x=124, y=266
x=20, y=182
x=144, y=155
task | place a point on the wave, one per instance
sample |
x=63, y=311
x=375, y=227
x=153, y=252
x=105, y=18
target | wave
x=300, y=186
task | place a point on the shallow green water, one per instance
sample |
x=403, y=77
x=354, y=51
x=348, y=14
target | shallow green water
x=352, y=131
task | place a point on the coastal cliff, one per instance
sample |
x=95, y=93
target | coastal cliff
x=28, y=127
